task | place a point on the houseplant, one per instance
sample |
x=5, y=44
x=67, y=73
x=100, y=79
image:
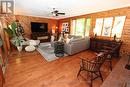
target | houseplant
x=15, y=38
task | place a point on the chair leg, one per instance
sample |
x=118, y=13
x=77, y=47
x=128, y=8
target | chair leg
x=110, y=64
x=91, y=79
x=91, y=84
x=101, y=76
x=79, y=71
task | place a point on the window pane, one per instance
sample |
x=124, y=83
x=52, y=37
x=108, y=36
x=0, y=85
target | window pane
x=73, y=26
x=88, y=24
x=80, y=27
x=107, y=26
x=98, y=26
x=118, y=26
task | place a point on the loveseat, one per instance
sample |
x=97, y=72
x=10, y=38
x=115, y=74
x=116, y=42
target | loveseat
x=76, y=45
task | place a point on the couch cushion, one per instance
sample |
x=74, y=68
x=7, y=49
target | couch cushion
x=75, y=37
x=75, y=40
x=71, y=39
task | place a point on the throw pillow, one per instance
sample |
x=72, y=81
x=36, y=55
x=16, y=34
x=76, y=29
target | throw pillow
x=68, y=40
x=61, y=39
x=71, y=39
x=52, y=38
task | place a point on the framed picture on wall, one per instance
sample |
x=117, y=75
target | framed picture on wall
x=98, y=26
x=107, y=26
x=65, y=27
x=118, y=26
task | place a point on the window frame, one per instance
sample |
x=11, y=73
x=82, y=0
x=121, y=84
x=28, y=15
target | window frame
x=112, y=27
x=73, y=29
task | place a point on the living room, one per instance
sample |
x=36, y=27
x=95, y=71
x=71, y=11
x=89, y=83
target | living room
x=65, y=44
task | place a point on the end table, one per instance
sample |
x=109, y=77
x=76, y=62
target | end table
x=59, y=49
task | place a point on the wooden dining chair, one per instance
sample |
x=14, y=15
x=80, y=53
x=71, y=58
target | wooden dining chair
x=93, y=66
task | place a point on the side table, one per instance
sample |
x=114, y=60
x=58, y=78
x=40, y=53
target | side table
x=59, y=49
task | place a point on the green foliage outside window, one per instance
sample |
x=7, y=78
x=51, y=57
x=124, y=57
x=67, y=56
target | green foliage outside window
x=81, y=27
x=88, y=25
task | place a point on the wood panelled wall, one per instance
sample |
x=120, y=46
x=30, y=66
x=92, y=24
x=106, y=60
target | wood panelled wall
x=26, y=23
x=110, y=13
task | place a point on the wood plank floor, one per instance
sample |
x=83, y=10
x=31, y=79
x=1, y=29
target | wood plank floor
x=32, y=70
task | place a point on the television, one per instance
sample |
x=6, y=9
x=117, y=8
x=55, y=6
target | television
x=39, y=27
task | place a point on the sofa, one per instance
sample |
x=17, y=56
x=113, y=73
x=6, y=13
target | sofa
x=76, y=45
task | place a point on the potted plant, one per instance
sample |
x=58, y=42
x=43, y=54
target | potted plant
x=15, y=39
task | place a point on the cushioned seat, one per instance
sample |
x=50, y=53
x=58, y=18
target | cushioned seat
x=34, y=42
x=30, y=48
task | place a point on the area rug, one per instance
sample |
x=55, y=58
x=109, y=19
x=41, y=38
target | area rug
x=47, y=51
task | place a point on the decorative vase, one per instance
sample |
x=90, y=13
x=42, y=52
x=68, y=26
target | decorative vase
x=114, y=37
x=95, y=35
x=19, y=48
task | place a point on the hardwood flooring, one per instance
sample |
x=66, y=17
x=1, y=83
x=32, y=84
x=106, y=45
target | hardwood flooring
x=32, y=70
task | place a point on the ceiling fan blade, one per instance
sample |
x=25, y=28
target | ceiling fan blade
x=61, y=13
x=56, y=13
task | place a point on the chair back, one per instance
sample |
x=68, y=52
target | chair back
x=99, y=61
x=94, y=65
x=101, y=57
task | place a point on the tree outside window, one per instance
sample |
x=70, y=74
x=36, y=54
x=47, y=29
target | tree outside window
x=80, y=27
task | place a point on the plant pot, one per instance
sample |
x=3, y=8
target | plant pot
x=19, y=48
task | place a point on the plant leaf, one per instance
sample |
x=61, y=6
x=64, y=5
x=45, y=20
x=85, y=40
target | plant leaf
x=9, y=31
x=14, y=26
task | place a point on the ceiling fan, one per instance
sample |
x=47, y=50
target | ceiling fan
x=56, y=12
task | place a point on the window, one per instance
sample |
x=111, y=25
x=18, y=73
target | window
x=88, y=24
x=118, y=26
x=79, y=31
x=78, y=27
x=73, y=24
x=98, y=26
x=109, y=26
